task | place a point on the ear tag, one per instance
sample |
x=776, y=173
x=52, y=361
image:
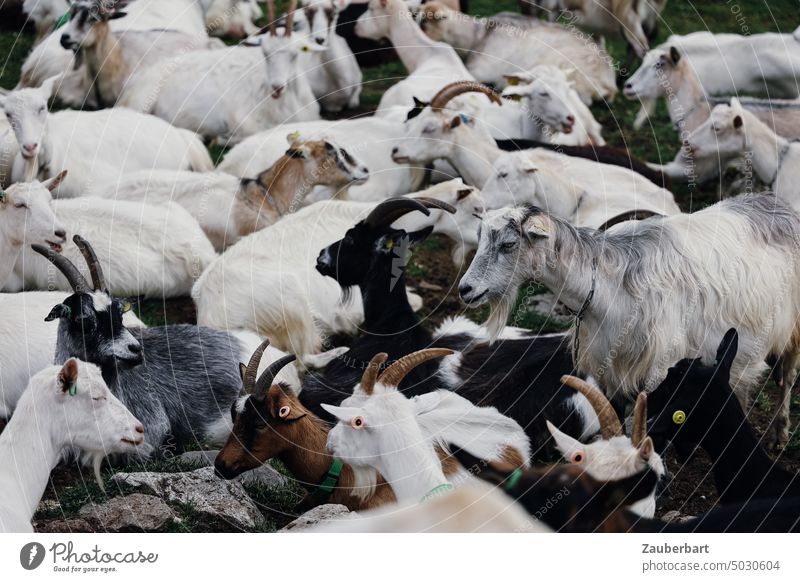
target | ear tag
x=577, y=457
x=512, y=81
x=126, y=307
x=514, y=97
x=679, y=417
x=464, y=118
x=73, y=390
x=294, y=136
x=390, y=244
x=2, y=196
x=63, y=20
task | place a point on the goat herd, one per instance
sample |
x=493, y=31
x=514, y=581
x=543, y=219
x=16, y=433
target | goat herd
x=303, y=231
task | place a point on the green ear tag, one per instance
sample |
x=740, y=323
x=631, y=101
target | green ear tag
x=2, y=196
x=63, y=20
x=73, y=390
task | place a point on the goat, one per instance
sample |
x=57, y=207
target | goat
x=8, y=149
x=296, y=306
x=63, y=406
x=732, y=132
x=27, y=342
x=237, y=77
x=615, y=456
x=545, y=84
x=508, y=44
x=369, y=138
x=588, y=505
x=228, y=208
x=651, y=283
x=26, y=216
x=81, y=141
x=180, y=380
x=381, y=429
x=336, y=77
x=434, y=131
x=582, y=191
x=695, y=404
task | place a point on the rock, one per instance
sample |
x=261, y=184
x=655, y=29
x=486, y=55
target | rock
x=135, y=512
x=547, y=305
x=320, y=514
x=63, y=526
x=264, y=475
x=676, y=516
x=208, y=495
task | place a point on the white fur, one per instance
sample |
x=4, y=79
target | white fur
x=47, y=420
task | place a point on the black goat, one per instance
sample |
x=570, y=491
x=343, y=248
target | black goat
x=569, y=500
x=520, y=377
x=696, y=405
x=179, y=380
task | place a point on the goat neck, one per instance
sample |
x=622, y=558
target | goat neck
x=383, y=293
x=105, y=64
x=473, y=155
x=413, y=46
x=690, y=108
x=272, y=194
x=764, y=146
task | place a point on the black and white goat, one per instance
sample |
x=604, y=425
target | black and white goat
x=696, y=405
x=179, y=380
x=520, y=376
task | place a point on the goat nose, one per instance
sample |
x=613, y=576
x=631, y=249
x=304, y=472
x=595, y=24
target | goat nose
x=464, y=289
x=61, y=233
x=320, y=41
x=135, y=348
x=570, y=119
x=395, y=150
x=628, y=85
x=139, y=428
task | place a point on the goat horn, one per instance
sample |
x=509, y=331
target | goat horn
x=251, y=371
x=75, y=278
x=609, y=422
x=433, y=203
x=371, y=373
x=290, y=17
x=273, y=24
x=395, y=373
x=266, y=379
x=390, y=210
x=639, y=429
x=453, y=90
x=98, y=280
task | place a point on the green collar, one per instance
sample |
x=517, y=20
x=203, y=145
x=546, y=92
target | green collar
x=62, y=21
x=331, y=478
x=513, y=479
x=438, y=490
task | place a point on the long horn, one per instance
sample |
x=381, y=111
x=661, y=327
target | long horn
x=69, y=270
x=390, y=210
x=251, y=371
x=266, y=379
x=98, y=280
x=371, y=373
x=273, y=24
x=395, y=373
x=609, y=422
x=453, y=90
x=290, y=18
x=639, y=429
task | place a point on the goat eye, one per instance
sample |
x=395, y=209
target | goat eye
x=507, y=246
x=577, y=457
x=502, y=175
x=20, y=205
x=98, y=398
x=284, y=411
x=679, y=417
x=357, y=423
x=544, y=94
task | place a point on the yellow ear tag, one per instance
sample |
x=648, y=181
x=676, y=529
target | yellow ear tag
x=390, y=244
x=294, y=136
x=513, y=81
x=679, y=417
x=126, y=307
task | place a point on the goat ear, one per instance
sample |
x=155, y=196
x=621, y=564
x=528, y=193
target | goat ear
x=646, y=449
x=68, y=377
x=55, y=181
x=418, y=236
x=343, y=413
x=674, y=54
x=565, y=444
x=613, y=495
x=298, y=153
x=117, y=15
x=535, y=227
x=463, y=193
x=726, y=353
x=738, y=122
x=48, y=85
x=242, y=370
x=58, y=312
x=424, y=403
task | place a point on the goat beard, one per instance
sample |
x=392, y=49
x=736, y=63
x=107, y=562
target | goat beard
x=498, y=316
x=347, y=295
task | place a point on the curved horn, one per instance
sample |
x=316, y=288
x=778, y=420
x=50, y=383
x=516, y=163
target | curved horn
x=639, y=429
x=609, y=422
x=395, y=373
x=251, y=371
x=290, y=18
x=67, y=268
x=371, y=373
x=273, y=23
x=390, y=210
x=434, y=203
x=266, y=379
x=625, y=216
x=453, y=90
x=98, y=280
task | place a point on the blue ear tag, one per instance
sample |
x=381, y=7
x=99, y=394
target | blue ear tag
x=73, y=390
x=464, y=117
x=2, y=196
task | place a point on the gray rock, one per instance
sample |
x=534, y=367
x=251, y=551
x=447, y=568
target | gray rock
x=209, y=495
x=264, y=475
x=135, y=512
x=63, y=526
x=676, y=516
x=320, y=514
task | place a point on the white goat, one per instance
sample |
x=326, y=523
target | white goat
x=295, y=305
x=371, y=139
x=8, y=149
x=658, y=290
x=541, y=88
x=509, y=43
x=381, y=429
x=96, y=146
x=335, y=75
x=227, y=207
x=614, y=455
x=582, y=191
x=220, y=93
x=64, y=406
x=733, y=132
x=26, y=217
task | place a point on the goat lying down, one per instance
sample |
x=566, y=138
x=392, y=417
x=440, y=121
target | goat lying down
x=659, y=289
x=180, y=380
